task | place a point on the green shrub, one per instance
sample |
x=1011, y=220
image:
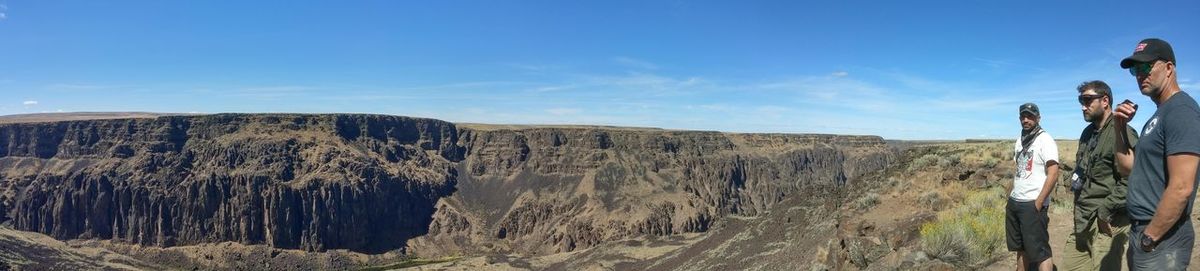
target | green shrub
x=867, y=201
x=970, y=233
x=923, y=162
x=950, y=160
x=948, y=242
x=932, y=199
x=892, y=182
x=990, y=162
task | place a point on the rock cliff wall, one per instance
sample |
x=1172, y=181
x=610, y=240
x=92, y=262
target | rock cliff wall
x=548, y=190
x=375, y=183
x=313, y=182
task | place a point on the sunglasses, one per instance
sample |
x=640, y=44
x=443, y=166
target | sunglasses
x=1140, y=69
x=1087, y=99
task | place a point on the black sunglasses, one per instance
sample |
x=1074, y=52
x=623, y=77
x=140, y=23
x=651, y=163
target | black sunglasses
x=1140, y=68
x=1086, y=99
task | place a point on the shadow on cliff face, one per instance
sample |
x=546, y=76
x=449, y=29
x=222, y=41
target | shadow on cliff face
x=366, y=183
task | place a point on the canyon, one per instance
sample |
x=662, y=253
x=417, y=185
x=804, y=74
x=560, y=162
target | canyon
x=372, y=184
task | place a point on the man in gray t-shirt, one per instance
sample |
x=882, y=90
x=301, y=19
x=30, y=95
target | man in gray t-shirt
x=1162, y=166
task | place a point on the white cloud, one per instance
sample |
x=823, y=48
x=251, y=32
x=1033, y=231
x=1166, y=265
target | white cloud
x=773, y=112
x=998, y=64
x=646, y=84
x=563, y=111
x=273, y=92
x=533, y=68
x=835, y=90
x=278, y=89
x=1186, y=84
x=553, y=88
x=78, y=87
x=840, y=74
x=29, y=103
x=717, y=107
x=635, y=63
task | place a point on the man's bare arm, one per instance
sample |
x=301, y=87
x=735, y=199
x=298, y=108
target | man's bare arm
x=1051, y=179
x=1124, y=152
x=1181, y=171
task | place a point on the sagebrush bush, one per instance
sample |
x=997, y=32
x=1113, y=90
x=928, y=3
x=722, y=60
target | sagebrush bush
x=949, y=160
x=948, y=242
x=892, y=182
x=970, y=233
x=924, y=161
x=867, y=201
x=932, y=199
x=990, y=162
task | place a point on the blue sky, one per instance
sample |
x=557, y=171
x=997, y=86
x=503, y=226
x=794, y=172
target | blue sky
x=899, y=69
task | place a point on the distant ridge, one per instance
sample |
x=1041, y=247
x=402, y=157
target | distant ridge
x=51, y=117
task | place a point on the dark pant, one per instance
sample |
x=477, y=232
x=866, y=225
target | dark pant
x=1173, y=252
x=1026, y=229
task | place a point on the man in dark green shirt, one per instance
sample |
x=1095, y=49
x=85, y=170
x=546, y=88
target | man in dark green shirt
x=1101, y=222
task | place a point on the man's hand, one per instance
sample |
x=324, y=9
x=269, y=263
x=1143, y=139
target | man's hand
x=1124, y=112
x=1037, y=205
x=1104, y=227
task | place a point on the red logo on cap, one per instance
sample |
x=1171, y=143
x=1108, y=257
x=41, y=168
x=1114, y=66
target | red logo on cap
x=1141, y=46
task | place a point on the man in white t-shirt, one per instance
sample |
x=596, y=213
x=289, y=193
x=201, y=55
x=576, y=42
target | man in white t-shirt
x=1026, y=219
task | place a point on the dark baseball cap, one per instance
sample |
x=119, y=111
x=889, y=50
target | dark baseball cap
x=1030, y=108
x=1149, y=50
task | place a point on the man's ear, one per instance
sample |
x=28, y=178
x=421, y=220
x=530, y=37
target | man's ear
x=1170, y=69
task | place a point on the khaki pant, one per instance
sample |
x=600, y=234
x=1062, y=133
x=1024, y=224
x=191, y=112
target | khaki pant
x=1092, y=250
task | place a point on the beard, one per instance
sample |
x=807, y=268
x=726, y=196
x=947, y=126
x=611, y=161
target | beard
x=1093, y=116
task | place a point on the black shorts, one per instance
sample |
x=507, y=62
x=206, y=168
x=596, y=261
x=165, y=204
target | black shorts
x=1027, y=230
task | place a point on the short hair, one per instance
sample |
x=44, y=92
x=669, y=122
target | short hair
x=1099, y=86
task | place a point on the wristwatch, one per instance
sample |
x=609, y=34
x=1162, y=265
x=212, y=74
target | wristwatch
x=1148, y=243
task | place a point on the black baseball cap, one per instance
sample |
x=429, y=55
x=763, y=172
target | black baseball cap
x=1149, y=50
x=1030, y=108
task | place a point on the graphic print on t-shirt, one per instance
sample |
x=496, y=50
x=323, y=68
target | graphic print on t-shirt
x=1024, y=164
x=1150, y=126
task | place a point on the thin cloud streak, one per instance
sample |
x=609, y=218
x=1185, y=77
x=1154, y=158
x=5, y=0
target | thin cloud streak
x=635, y=63
x=63, y=86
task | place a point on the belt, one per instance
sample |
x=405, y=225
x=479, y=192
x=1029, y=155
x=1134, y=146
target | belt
x=1139, y=222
